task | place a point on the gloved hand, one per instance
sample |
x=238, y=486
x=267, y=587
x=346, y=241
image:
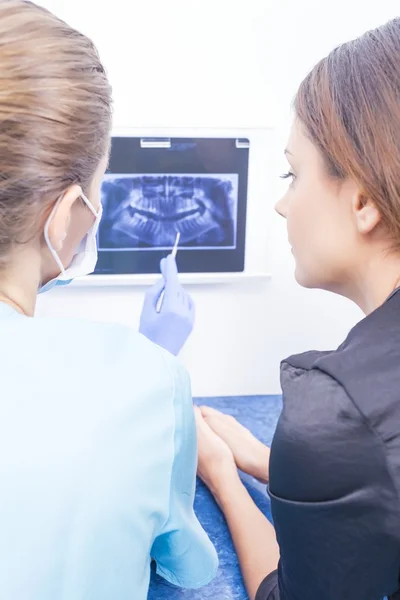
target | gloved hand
x=171, y=327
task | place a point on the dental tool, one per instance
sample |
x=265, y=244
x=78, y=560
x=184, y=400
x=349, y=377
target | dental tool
x=173, y=254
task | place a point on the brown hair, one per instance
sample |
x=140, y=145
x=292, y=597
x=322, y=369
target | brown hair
x=350, y=107
x=55, y=115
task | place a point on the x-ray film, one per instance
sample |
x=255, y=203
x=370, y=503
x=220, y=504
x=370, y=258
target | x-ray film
x=194, y=187
x=147, y=211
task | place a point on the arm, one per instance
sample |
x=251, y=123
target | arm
x=334, y=504
x=252, y=534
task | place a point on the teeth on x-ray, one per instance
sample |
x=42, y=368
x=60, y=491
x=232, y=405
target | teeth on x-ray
x=149, y=210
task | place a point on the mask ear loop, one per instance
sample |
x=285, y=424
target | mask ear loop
x=47, y=237
x=47, y=225
x=90, y=205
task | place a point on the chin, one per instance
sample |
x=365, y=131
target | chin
x=304, y=279
x=314, y=282
x=311, y=281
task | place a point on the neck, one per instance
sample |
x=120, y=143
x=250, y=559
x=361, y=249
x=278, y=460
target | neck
x=21, y=304
x=19, y=284
x=374, y=282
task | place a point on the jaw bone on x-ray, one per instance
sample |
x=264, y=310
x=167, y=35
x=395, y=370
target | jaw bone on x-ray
x=149, y=210
x=157, y=187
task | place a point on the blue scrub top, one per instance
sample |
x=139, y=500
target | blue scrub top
x=97, y=463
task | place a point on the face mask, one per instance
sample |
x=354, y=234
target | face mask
x=84, y=261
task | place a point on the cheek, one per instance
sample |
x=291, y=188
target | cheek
x=300, y=219
x=321, y=240
x=306, y=232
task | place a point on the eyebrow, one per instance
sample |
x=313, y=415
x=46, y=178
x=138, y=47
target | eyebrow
x=288, y=152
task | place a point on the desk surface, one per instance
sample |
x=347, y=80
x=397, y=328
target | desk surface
x=259, y=414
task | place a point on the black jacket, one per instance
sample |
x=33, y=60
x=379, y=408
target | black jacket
x=335, y=468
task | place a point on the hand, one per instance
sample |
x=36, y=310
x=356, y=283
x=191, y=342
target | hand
x=171, y=327
x=216, y=464
x=252, y=534
x=251, y=455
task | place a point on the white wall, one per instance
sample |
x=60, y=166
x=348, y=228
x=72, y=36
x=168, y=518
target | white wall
x=224, y=64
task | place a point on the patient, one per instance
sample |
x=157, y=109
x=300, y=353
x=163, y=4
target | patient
x=334, y=472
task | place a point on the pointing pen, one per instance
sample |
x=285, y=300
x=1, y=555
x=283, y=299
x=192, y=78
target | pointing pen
x=173, y=254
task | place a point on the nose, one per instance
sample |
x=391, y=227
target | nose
x=281, y=207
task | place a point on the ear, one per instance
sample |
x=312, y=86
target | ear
x=61, y=216
x=366, y=213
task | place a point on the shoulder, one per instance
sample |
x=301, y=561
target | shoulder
x=108, y=338
x=364, y=364
x=144, y=364
x=109, y=357
x=324, y=447
x=349, y=397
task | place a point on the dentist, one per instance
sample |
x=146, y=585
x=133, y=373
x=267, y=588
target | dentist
x=97, y=434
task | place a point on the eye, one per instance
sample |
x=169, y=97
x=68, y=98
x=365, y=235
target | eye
x=291, y=176
x=288, y=175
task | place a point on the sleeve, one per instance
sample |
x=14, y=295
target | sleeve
x=333, y=501
x=269, y=588
x=183, y=552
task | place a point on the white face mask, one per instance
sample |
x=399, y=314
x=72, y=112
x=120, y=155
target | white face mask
x=84, y=261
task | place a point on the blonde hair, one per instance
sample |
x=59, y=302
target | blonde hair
x=55, y=116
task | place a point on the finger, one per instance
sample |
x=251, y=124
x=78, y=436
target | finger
x=192, y=310
x=203, y=428
x=154, y=292
x=192, y=307
x=169, y=269
x=185, y=302
x=162, y=266
x=173, y=288
x=207, y=411
x=183, y=298
x=200, y=418
x=197, y=414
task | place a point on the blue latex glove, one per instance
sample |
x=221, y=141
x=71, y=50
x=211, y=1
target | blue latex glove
x=171, y=327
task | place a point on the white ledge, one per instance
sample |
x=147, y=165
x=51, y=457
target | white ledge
x=185, y=278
